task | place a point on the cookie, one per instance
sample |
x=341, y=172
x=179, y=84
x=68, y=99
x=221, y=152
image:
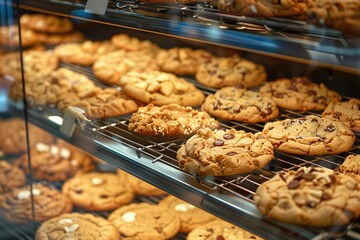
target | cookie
x=171, y=119
x=189, y=215
x=111, y=67
x=48, y=203
x=310, y=196
x=98, y=191
x=141, y=187
x=143, y=221
x=217, y=152
x=10, y=177
x=9, y=36
x=182, y=61
x=237, y=104
x=106, y=103
x=13, y=136
x=299, y=94
x=309, y=135
x=230, y=71
x=263, y=8
x=84, y=53
x=46, y=23
x=351, y=166
x=56, y=162
x=219, y=230
x=346, y=112
x=77, y=226
x=55, y=39
x=172, y=1
x=343, y=15
x=124, y=41
x=161, y=88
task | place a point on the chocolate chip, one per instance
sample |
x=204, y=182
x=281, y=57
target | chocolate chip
x=301, y=120
x=79, y=191
x=330, y=128
x=219, y=142
x=220, y=237
x=291, y=122
x=159, y=229
x=332, y=178
x=311, y=93
x=309, y=176
x=299, y=174
x=228, y=136
x=293, y=184
x=293, y=87
x=239, y=86
x=104, y=196
x=279, y=95
x=232, y=153
x=282, y=176
x=314, y=120
x=311, y=204
x=325, y=196
x=299, y=137
x=319, y=136
x=271, y=127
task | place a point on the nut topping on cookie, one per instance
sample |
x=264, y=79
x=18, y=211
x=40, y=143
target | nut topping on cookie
x=25, y=194
x=97, y=181
x=42, y=147
x=72, y=228
x=219, y=142
x=65, y=221
x=183, y=207
x=129, y=217
x=65, y=153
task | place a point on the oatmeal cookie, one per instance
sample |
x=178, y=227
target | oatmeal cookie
x=217, y=152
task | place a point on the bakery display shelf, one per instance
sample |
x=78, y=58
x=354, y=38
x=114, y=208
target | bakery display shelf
x=289, y=39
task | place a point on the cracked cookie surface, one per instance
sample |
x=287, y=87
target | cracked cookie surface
x=224, y=152
x=143, y=221
x=230, y=71
x=310, y=196
x=232, y=103
x=10, y=177
x=346, y=112
x=77, y=226
x=309, y=135
x=351, y=166
x=171, y=119
x=299, y=94
x=98, y=191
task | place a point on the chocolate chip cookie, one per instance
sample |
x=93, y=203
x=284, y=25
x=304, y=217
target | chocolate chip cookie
x=143, y=221
x=48, y=203
x=189, y=215
x=46, y=23
x=77, y=226
x=111, y=67
x=161, y=88
x=124, y=41
x=309, y=135
x=108, y=102
x=299, y=94
x=84, y=53
x=351, y=166
x=220, y=230
x=230, y=71
x=238, y=104
x=139, y=186
x=56, y=162
x=346, y=112
x=171, y=119
x=10, y=177
x=182, y=61
x=98, y=191
x=310, y=196
x=217, y=152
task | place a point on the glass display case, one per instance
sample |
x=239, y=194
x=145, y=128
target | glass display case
x=48, y=91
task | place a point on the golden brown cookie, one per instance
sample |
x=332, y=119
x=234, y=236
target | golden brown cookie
x=310, y=196
x=98, y=191
x=238, y=104
x=128, y=43
x=230, y=71
x=346, y=112
x=220, y=230
x=309, y=135
x=143, y=221
x=182, y=61
x=77, y=226
x=299, y=94
x=10, y=177
x=9, y=36
x=59, y=38
x=111, y=67
x=56, y=162
x=48, y=203
x=161, y=88
x=85, y=53
x=107, y=103
x=351, y=166
x=46, y=23
x=139, y=186
x=189, y=215
x=13, y=136
x=171, y=119
x=217, y=152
